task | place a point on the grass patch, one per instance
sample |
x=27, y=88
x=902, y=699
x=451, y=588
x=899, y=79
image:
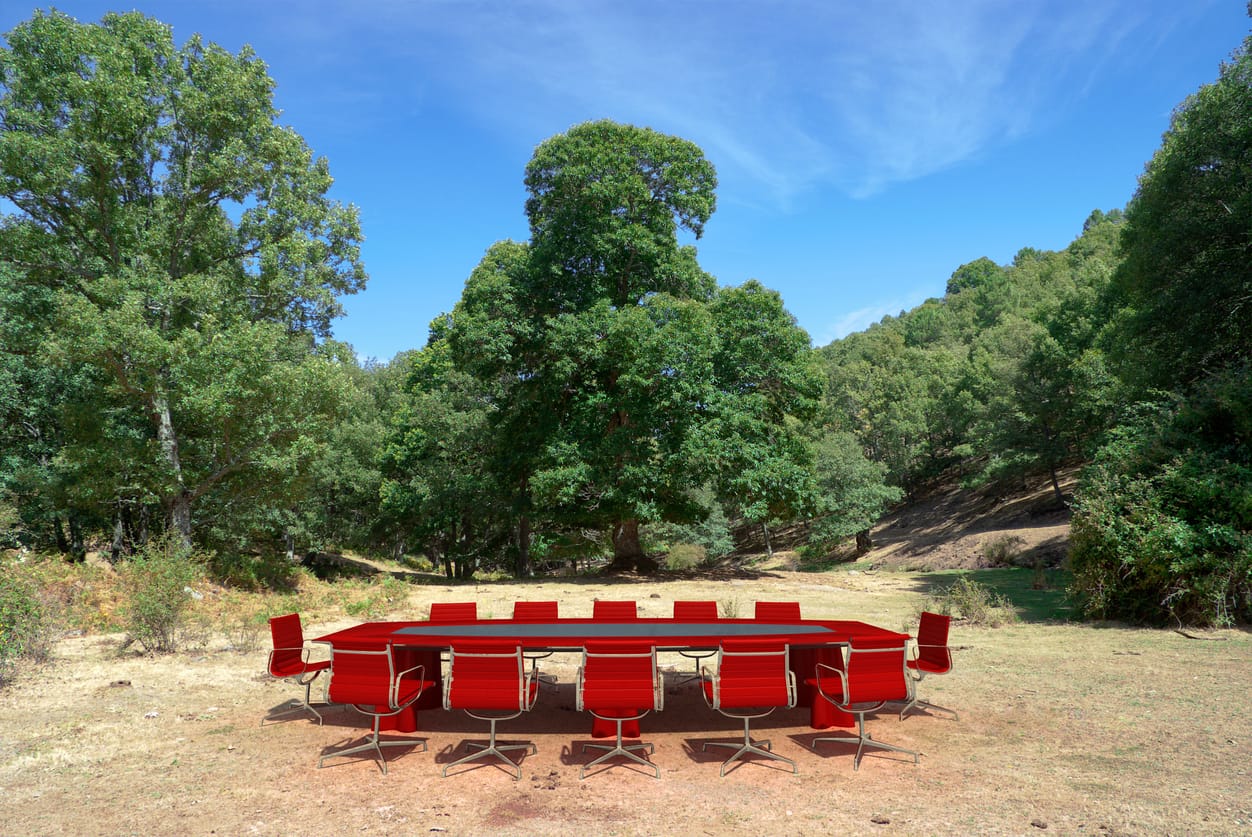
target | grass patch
x=1017, y=586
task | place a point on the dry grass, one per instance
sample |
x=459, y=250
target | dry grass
x=1082, y=729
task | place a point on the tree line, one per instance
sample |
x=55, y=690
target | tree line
x=171, y=263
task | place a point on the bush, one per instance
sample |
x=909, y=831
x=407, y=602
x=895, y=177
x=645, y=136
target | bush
x=26, y=623
x=685, y=556
x=713, y=536
x=156, y=582
x=1162, y=528
x=1001, y=550
x=973, y=602
x=269, y=571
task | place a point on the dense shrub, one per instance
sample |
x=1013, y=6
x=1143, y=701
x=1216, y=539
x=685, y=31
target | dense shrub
x=712, y=534
x=1001, y=550
x=1162, y=528
x=975, y=603
x=157, y=583
x=685, y=556
x=26, y=623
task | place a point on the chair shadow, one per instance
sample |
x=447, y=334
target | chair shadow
x=686, y=716
x=845, y=749
x=394, y=749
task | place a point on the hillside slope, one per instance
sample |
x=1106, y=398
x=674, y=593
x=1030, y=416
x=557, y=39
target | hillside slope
x=955, y=528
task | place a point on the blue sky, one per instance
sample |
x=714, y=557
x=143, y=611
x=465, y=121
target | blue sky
x=864, y=150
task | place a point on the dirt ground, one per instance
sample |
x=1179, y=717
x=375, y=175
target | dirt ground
x=1064, y=729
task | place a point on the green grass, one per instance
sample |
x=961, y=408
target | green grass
x=1050, y=604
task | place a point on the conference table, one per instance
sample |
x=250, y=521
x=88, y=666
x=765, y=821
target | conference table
x=421, y=642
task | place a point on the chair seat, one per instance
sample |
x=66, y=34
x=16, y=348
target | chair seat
x=928, y=667
x=296, y=668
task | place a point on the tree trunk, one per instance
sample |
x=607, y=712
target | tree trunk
x=78, y=551
x=524, y=569
x=63, y=543
x=769, y=548
x=1056, y=485
x=118, y=548
x=179, y=503
x=627, y=552
x=863, y=542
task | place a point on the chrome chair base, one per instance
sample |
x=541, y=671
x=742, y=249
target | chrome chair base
x=697, y=657
x=298, y=705
x=620, y=749
x=760, y=748
x=863, y=741
x=491, y=748
x=377, y=746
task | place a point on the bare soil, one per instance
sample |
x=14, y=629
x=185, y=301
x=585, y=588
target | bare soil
x=1063, y=729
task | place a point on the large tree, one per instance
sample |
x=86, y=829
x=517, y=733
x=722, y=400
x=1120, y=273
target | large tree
x=1163, y=522
x=1187, y=273
x=602, y=338
x=188, y=240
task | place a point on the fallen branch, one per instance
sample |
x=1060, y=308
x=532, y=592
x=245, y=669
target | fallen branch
x=1193, y=636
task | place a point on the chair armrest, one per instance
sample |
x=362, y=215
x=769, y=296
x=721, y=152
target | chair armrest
x=658, y=692
x=791, y=689
x=529, y=696
x=943, y=651
x=422, y=667
x=395, y=684
x=707, y=676
x=304, y=660
x=840, y=673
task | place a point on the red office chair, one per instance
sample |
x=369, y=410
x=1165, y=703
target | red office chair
x=290, y=661
x=874, y=675
x=537, y=612
x=752, y=680
x=367, y=681
x=607, y=611
x=931, y=656
x=782, y=611
x=619, y=681
x=696, y=612
x=453, y=611
x=489, y=681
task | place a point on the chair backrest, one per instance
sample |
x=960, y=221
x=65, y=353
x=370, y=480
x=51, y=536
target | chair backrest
x=932, y=641
x=607, y=610
x=696, y=611
x=753, y=673
x=486, y=676
x=453, y=611
x=876, y=671
x=362, y=676
x=619, y=676
x=778, y=610
x=536, y=611
x=287, y=658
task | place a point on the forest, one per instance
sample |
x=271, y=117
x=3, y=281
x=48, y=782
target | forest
x=171, y=265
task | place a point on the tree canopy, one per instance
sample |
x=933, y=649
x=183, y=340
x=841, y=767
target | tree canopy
x=188, y=253
x=620, y=375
